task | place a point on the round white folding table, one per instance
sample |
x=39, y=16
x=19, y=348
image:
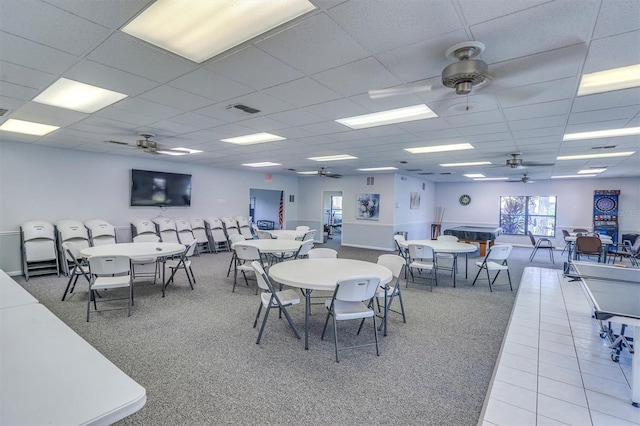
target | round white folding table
x=271, y=246
x=138, y=250
x=444, y=246
x=323, y=274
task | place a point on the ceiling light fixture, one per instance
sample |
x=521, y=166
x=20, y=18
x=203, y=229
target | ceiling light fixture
x=594, y=170
x=179, y=151
x=263, y=164
x=76, y=96
x=254, y=138
x=377, y=169
x=333, y=158
x=314, y=172
x=473, y=163
x=440, y=148
x=609, y=80
x=392, y=116
x=571, y=176
x=610, y=133
x=199, y=30
x=27, y=127
x=590, y=156
x=474, y=175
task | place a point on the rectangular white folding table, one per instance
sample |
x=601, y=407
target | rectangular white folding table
x=615, y=294
x=49, y=375
x=12, y=294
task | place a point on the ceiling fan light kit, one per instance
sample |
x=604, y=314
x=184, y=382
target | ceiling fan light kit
x=467, y=72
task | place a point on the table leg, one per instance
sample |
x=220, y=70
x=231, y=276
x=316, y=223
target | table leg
x=455, y=268
x=635, y=371
x=466, y=265
x=307, y=310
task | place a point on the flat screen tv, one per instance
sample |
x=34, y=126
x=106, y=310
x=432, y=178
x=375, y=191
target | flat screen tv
x=160, y=189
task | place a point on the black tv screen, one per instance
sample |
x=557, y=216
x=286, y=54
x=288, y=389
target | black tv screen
x=160, y=189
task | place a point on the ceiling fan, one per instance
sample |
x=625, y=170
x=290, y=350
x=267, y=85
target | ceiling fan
x=463, y=75
x=146, y=144
x=524, y=179
x=323, y=172
x=517, y=163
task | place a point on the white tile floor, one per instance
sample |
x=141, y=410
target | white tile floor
x=554, y=369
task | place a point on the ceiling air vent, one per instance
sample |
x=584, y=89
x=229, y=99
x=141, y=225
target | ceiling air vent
x=426, y=173
x=3, y=111
x=117, y=142
x=246, y=109
x=604, y=147
x=414, y=170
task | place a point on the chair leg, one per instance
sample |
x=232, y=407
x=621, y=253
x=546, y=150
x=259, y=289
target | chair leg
x=255, y=322
x=477, y=275
x=326, y=321
x=375, y=333
x=335, y=336
x=264, y=322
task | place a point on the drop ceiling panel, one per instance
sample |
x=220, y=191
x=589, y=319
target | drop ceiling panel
x=615, y=18
x=628, y=97
x=537, y=123
x=151, y=109
x=357, y=77
x=546, y=109
x=131, y=55
x=330, y=45
x=302, y=92
x=176, y=98
x=473, y=119
x=33, y=55
x=25, y=76
x=263, y=124
x=296, y=117
x=483, y=129
x=538, y=93
x=598, y=125
x=137, y=118
x=475, y=12
x=104, y=76
x=622, y=113
x=539, y=29
x=255, y=68
x=340, y=108
x=111, y=14
x=40, y=113
x=16, y=91
x=540, y=132
x=44, y=22
x=211, y=85
x=197, y=120
x=613, y=52
x=397, y=23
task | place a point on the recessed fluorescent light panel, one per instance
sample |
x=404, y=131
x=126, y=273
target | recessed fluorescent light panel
x=475, y=163
x=378, y=169
x=474, y=175
x=27, y=127
x=627, y=131
x=263, y=164
x=314, y=172
x=589, y=171
x=571, y=176
x=254, y=138
x=78, y=96
x=500, y=178
x=179, y=151
x=392, y=116
x=199, y=30
x=333, y=158
x=440, y=148
x=590, y=156
x=609, y=80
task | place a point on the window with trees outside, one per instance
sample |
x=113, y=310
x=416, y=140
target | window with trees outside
x=521, y=214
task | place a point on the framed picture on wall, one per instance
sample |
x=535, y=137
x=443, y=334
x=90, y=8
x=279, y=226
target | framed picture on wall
x=414, y=201
x=368, y=206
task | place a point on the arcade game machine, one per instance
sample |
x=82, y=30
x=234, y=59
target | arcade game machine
x=605, y=213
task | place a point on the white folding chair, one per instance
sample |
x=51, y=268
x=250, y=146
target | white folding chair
x=235, y=238
x=142, y=226
x=107, y=273
x=244, y=227
x=322, y=253
x=200, y=234
x=184, y=231
x=80, y=267
x=495, y=261
x=230, y=226
x=69, y=230
x=184, y=263
x=38, y=248
x=390, y=291
x=302, y=228
x=100, y=232
x=271, y=299
x=166, y=229
x=421, y=258
x=244, y=256
x=351, y=301
x=215, y=232
x=139, y=261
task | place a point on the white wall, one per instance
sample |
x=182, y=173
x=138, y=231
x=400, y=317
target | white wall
x=38, y=182
x=574, y=208
x=416, y=222
x=267, y=205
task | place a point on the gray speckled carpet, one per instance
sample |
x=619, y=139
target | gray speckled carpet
x=195, y=351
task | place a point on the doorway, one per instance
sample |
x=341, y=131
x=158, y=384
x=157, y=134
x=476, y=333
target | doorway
x=265, y=208
x=332, y=217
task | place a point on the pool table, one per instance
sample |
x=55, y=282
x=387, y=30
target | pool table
x=484, y=236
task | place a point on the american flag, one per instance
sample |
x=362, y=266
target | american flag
x=281, y=211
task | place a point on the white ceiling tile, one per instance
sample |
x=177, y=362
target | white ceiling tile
x=357, y=77
x=176, y=98
x=111, y=14
x=483, y=129
x=340, y=108
x=616, y=17
x=324, y=128
x=546, y=109
x=44, y=23
x=25, y=76
x=330, y=45
x=100, y=75
x=627, y=97
x=612, y=52
x=624, y=113
x=17, y=91
x=40, y=113
x=254, y=68
x=597, y=125
x=263, y=124
x=138, y=118
x=196, y=120
x=302, y=92
x=539, y=29
x=473, y=119
x=539, y=132
x=296, y=117
x=535, y=123
x=475, y=12
x=206, y=83
x=538, y=93
x=397, y=23
x=489, y=137
x=134, y=56
x=32, y=55
x=150, y=109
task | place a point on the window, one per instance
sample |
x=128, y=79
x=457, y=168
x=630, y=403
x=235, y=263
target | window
x=521, y=214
